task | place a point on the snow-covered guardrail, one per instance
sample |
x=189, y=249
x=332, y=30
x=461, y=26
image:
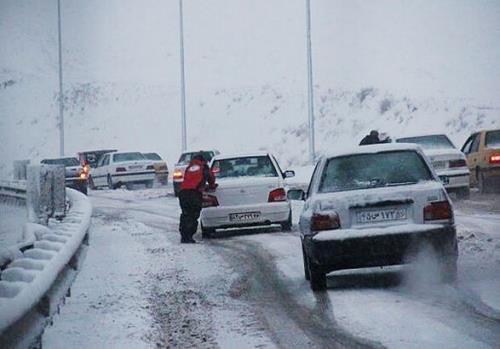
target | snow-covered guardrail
x=33, y=285
x=13, y=189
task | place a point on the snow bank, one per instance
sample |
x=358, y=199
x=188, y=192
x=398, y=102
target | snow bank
x=27, y=280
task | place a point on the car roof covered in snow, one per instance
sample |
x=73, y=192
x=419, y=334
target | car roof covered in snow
x=375, y=148
x=240, y=155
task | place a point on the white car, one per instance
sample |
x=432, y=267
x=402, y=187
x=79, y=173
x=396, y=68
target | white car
x=250, y=192
x=449, y=162
x=116, y=169
x=376, y=205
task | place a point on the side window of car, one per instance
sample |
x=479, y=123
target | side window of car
x=100, y=162
x=313, y=179
x=475, y=144
x=467, y=145
x=105, y=160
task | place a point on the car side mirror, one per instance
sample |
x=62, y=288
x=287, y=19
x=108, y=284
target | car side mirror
x=289, y=174
x=296, y=194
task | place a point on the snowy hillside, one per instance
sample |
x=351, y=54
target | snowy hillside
x=394, y=66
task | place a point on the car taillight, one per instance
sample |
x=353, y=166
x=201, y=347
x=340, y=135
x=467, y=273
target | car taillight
x=121, y=169
x=209, y=201
x=83, y=175
x=438, y=210
x=178, y=174
x=277, y=195
x=495, y=159
x=86, y=168
x=150, y=167
x=458, y=163
x=325, y=221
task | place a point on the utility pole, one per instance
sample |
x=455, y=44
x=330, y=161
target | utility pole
x=310, y=91
x=183, y=84
x=61, y=97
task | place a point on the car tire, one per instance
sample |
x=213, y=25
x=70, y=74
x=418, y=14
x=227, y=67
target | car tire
x=287, y=225
x=129, y=186
x=91, y=183
x=110, y=183
x=83, y=189
x=207, y=233
x=481, y=182
x=306, y=264
x=149, y=184
x=317, y=277
x=463, y=193
x=449, y=270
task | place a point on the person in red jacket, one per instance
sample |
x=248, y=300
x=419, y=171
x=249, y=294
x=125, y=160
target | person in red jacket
x=196, y=178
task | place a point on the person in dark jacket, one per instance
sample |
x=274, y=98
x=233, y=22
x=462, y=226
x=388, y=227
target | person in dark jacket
x=372, y=138
x=196, y=178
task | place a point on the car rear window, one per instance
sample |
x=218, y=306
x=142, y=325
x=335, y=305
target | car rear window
x=186, y=157
x=384, y=169
x=251, y=166
x=121, y=157
x=493, y=139
x=62, y=161
x=429, y=142
x=152, y=156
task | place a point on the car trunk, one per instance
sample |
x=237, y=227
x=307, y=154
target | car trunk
x=245, y=190
x=133, y=166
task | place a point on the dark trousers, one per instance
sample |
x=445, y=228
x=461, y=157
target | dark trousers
x=191, y=203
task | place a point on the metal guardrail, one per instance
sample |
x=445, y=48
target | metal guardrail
x=13, y=189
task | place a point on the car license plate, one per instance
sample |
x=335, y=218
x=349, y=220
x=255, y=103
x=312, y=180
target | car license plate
x=444, y=179
x=242, y=217
x=135, y=167
x=381, y=215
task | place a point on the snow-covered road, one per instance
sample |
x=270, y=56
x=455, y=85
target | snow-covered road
x=140, y=288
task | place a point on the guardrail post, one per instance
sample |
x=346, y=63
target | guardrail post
x=46, y=193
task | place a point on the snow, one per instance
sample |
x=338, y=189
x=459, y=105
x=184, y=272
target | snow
x=53, y=255
x=345, y=234
x=12, y=218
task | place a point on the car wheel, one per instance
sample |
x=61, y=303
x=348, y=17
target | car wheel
x=91, y=183
x=149, y=184
x=287, y=225
x=306, y=264
x=207, y=233
x=317, y=277
x=110, y=183
x=129, y=186
x=481, y=182
x=463, y=193
x=83, y=189
x=449, y=270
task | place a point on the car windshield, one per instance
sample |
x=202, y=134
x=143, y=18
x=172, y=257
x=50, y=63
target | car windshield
x=364, y=171
x=62, y=161
x=250, y=166
x=120, y=157
x=152, y=156
x=186, y=157
x=429, y=142
x=493, y=139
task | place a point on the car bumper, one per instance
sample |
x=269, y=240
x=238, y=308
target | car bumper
x=376, y=248
x=134, y=177
x=491, y=172
x=455, y=179
x=270, y=213
x=76, y=182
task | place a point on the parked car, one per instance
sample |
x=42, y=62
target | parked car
x=449, y=162
x=76, y=175
x=250, y=192
x=160, y=166
x=483, y=157
x=118, y=168
x=184, y=159
x=374, y=206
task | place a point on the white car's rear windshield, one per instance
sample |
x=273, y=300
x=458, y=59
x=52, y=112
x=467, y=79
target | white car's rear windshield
x=152, y=156
x=362, y=171
x=493, y=139
x=127, y=157
x=429, y=142
x=251, y=166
